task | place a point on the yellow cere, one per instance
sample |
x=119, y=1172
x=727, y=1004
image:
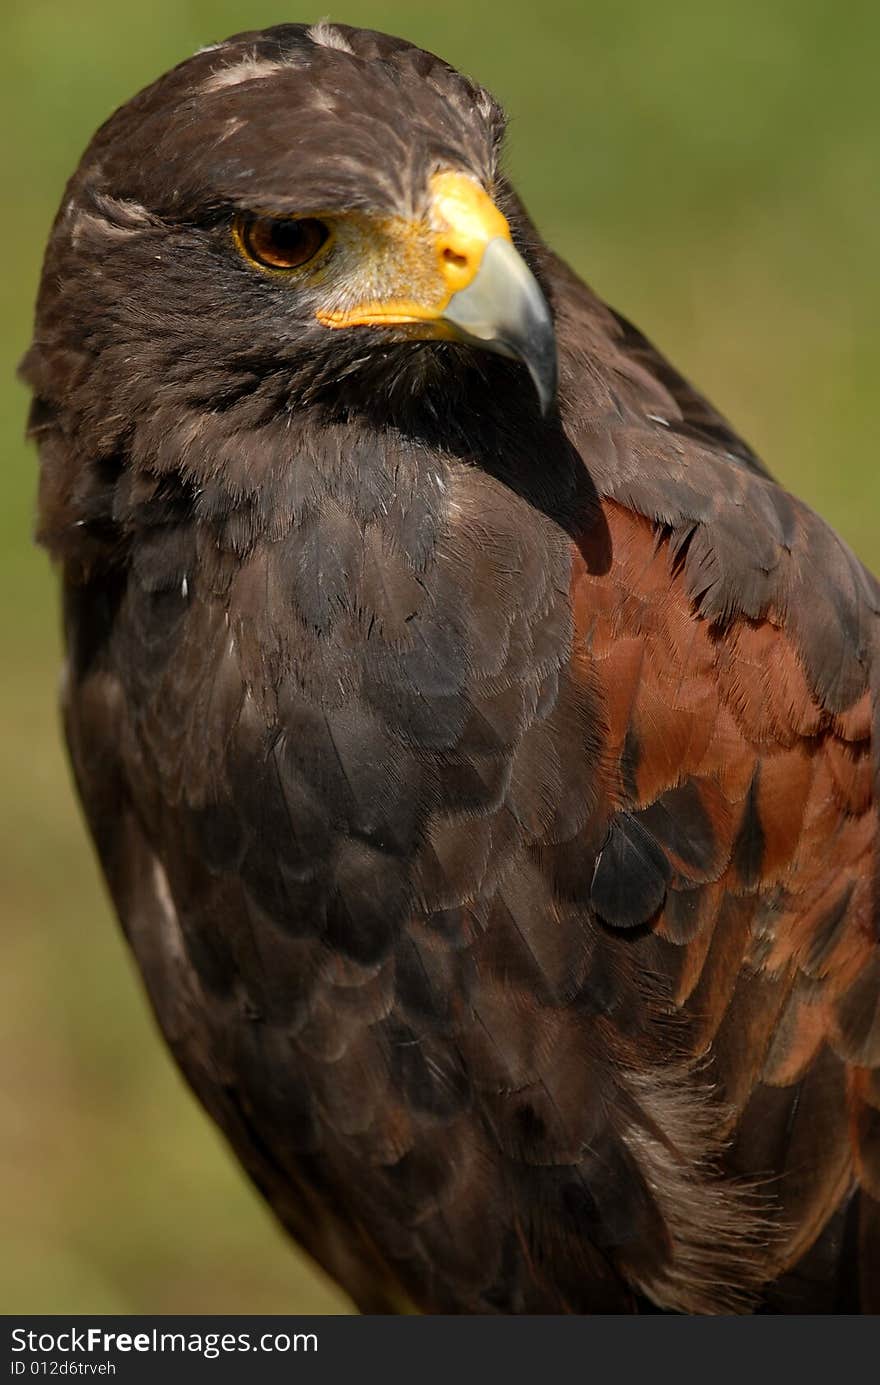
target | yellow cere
x=410, y=270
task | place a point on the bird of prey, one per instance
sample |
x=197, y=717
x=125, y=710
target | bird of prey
x=479, y=745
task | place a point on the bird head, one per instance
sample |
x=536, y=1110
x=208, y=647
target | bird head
x=295, y=216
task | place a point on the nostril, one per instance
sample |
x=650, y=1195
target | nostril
x=453, y=257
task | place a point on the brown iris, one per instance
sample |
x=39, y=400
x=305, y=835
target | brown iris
x=280, y=242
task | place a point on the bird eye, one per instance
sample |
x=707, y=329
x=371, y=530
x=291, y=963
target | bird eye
x=279, y=242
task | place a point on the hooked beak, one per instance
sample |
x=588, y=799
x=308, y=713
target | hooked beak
x=459, y=277
x=504, y=310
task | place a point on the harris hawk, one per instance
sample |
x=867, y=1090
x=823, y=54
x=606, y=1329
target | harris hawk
x=477, y=742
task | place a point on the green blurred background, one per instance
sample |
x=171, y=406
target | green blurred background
x=712, y=168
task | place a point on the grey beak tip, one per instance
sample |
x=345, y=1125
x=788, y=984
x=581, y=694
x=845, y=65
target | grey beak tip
x=545, y=378
x=504, y=310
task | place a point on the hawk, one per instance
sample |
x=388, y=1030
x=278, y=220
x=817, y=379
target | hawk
x=478, y=744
